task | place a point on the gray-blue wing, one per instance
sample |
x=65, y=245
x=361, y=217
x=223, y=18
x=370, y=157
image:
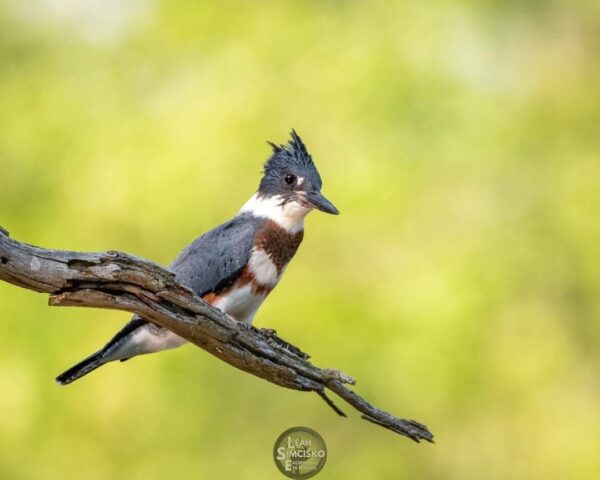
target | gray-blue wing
x=214, y=261
x=210, y=263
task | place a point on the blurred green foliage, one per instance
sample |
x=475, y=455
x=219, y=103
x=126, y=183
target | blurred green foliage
x=460, y=285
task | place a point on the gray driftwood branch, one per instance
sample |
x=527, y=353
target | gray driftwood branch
x=119, y=281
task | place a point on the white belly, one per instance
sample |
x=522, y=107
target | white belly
x=241, y=303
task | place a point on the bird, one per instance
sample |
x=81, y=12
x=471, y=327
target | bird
x=234, y=266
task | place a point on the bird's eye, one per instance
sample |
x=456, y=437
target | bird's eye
x=289, y=179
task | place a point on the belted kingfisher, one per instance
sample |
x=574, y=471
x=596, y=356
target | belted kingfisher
x=236, y=265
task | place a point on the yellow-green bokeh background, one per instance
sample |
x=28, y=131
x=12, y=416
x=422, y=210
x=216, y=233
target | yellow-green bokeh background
x=460, y=285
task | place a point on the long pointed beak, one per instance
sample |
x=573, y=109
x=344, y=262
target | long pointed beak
x=317, y=200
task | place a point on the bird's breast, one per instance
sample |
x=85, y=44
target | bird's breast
x=278, y=244
x=273, y=248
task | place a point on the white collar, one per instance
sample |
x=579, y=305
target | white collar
x=289, y=216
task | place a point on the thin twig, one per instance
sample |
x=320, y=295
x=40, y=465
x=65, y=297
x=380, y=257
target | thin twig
x=329, y=402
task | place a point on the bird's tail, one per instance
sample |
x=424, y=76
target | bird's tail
x=108, y=353
x=84, y=367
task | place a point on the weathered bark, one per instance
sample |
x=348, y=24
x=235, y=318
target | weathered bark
x=119, y=281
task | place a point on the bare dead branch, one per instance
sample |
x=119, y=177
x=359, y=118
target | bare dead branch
x=114, y=280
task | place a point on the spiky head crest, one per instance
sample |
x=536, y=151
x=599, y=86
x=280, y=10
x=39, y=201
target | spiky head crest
x=291, y=159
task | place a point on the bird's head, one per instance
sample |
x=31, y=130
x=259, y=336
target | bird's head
x=290, y=176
